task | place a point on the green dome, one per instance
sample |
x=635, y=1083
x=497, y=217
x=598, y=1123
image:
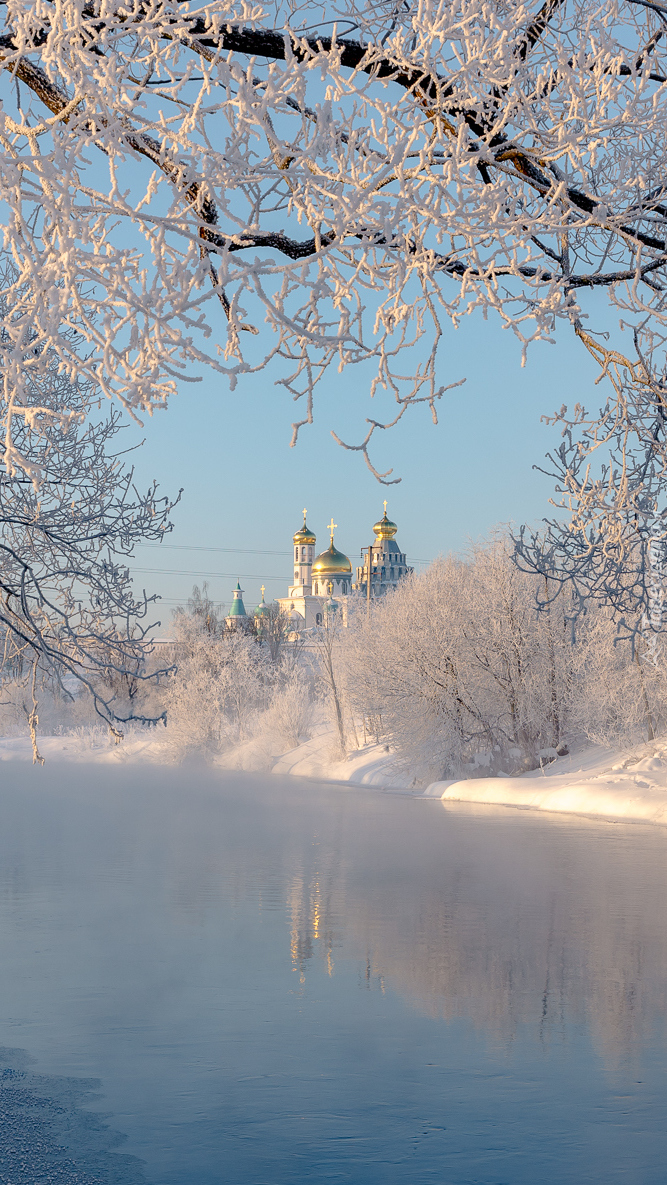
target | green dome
x=262, y=609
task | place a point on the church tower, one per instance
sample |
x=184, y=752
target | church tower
x=304, y=549
x=315, y=580
x=387, y=561
x=237, y=618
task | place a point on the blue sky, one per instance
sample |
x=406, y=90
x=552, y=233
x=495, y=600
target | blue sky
x=244, y=487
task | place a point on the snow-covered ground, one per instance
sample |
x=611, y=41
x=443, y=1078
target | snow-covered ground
x=612, y=784
x=315, y=758
x=595, y=781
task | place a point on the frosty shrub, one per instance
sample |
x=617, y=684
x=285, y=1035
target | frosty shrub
x=290, y=716
x=221, y=685
x=58, y=711
x=618, y=697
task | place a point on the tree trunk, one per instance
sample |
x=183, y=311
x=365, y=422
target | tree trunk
x=650, y=727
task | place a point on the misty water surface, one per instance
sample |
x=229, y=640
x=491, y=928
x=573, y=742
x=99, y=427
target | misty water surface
x=221, y=978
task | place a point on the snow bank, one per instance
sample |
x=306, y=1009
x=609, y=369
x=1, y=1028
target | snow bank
x=372, y=765
x=87, y=744
x=316, y=758
x=598, y=782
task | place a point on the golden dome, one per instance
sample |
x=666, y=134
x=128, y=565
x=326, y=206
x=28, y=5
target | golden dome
x=385, y=529
x=331, y=562
x=304, y=534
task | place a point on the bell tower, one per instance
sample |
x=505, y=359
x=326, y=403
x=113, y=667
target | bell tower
x=304, y=550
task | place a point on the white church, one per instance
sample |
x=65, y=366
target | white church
x=325, y=583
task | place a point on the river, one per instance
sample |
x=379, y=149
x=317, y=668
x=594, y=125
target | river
x=220, y=978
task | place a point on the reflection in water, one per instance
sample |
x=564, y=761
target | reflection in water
x=276, y=981
x=503, y=917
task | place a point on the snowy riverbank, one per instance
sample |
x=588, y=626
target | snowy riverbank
x=614, y=785
x=629, y=784
x=370, y=765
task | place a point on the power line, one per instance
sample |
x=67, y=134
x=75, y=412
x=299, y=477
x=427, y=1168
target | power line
x=209, y=575
x=170, y=602
x=238, y=551
x=225, y=550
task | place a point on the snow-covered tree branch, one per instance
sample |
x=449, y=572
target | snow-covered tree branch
x=333, y=185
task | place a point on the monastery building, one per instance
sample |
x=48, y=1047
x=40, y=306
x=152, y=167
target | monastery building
x=324, y=583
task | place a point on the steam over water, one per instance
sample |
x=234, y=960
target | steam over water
x=210, y=979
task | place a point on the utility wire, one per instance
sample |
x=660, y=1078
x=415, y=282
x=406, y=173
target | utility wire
x=226, y=550
x=236, y=550
x=211, y=575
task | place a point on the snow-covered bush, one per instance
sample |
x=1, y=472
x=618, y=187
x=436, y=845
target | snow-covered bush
x=221, y=683
x=57, y=711
x=617, y=695
x=290, y=715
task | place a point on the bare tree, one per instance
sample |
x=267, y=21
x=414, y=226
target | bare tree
x=610, y=547
x=67, y=604
x=201, y=607
x=275, y=630
x=332, y=184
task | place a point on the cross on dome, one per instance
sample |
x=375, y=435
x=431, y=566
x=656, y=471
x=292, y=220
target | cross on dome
x=304, y=536
x=263, y=591
x=331, y=563
x=385, y=528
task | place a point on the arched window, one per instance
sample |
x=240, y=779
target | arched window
x=296, y=553
x=318, y=619
x=343, y=587
x=303, y=553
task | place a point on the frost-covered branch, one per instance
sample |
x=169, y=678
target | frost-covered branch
x=337, y=183
x=610, y=472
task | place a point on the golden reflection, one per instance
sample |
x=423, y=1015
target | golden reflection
x=310, y=931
